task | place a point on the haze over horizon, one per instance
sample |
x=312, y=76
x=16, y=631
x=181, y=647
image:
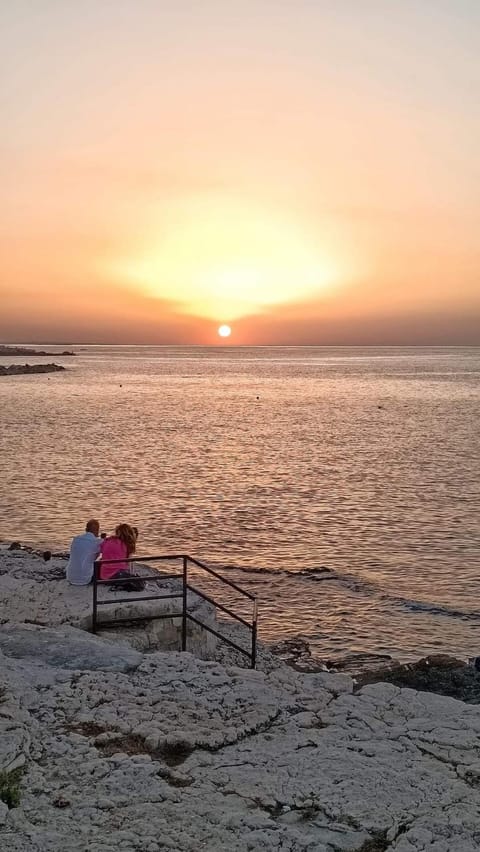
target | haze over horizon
x=305, y=172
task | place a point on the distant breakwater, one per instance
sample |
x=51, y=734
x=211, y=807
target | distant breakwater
x=15, y=351
x=25, y=369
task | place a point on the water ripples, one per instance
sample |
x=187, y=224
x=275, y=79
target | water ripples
x=366, y=462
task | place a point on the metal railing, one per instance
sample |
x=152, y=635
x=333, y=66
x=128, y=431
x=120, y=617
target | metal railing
x=184, y=614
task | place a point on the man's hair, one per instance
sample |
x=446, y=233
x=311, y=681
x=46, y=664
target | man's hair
x=92, y=525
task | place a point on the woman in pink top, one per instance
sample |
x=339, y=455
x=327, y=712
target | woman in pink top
x=118, y=546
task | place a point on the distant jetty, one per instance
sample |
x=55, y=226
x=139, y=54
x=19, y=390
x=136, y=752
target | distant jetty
x=25, y=369
x=15, y=351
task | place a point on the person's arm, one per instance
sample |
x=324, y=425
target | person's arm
x=96, y=552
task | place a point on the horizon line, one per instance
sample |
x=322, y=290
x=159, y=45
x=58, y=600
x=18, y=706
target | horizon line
x=225, y=346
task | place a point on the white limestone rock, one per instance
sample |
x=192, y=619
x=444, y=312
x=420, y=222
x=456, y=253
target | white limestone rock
x=192, y=755
x=15, y=723
x=176, y=753
x=67, y=648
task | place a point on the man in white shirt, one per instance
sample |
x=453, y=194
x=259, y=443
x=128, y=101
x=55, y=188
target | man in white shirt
x=83, y=553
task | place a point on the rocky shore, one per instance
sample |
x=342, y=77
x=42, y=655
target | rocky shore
x=104, y=747
x=26, y=369
x=438, y=673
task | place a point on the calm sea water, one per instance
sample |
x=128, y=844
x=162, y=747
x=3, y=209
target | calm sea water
x=365, y=461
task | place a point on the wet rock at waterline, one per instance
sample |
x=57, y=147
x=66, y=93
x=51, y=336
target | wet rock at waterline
x=27, y=369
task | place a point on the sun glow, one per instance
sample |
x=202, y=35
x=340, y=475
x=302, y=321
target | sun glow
x=217, y=257
x=224, y=331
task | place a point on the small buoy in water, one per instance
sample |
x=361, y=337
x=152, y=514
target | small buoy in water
x=258, y=397
x=121, y=386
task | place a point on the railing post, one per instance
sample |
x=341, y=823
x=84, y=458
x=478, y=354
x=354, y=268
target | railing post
x=184, y=608
x=254, y=634
x=96, y=566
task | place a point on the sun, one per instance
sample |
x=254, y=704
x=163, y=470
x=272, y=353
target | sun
x=224, y=331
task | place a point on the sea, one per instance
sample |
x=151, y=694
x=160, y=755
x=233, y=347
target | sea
x=341, y=485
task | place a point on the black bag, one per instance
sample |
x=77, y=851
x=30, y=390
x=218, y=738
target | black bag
x=134, y=584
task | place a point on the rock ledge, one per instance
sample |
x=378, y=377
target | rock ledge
x=26, y=369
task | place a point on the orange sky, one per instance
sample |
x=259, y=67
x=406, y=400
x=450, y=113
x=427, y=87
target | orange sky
x=306, y=172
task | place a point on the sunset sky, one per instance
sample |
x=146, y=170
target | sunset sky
x=306, y=171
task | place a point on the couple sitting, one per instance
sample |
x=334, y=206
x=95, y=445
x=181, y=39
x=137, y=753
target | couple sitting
x=87, y=548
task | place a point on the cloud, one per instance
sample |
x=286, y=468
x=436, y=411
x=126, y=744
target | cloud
x=346, y=322
x=94, y=314
x=120, y=317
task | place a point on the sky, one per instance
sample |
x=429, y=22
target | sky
x=305, y=171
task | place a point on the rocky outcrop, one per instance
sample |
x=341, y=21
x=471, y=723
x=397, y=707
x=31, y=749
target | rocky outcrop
x=437, y=673
x=181, y=754
x=26, y=369
x=104, y=748
x=297, y=653
x=20, y=351
x=33, y=591
x=66, y=648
